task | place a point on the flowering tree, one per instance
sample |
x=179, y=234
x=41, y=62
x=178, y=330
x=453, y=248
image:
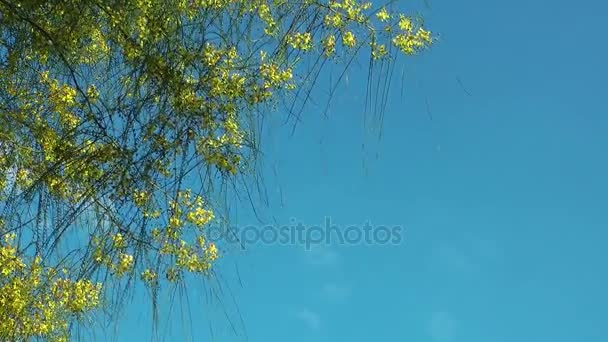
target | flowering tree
x=120, y=120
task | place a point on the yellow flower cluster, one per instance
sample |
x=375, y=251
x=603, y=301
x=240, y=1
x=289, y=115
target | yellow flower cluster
x=301, y=41
x=200, y=216
x=383, y=15
x=265, y=14
x=119, y=241
x=97, y=47
x=274, y=76
x=410, y=43
x=140, y=198
x=149, y=276
x=35, y=302
x=63, y=100
x=349, y=40
x=124, y=103
x=350, y=19
x=92, y=93
x=217, y=152
x=196, y=256
x=113, y=254
x=378, y=50
x=125, y=264
x=329, y=45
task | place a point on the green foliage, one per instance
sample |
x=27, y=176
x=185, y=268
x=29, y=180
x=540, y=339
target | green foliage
x=118, y=118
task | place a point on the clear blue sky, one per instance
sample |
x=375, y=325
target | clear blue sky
x=503, y=196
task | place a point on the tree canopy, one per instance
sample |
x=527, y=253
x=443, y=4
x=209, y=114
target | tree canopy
x=119, y=120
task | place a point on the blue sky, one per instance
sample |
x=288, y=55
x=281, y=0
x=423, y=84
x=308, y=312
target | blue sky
x=502, y=192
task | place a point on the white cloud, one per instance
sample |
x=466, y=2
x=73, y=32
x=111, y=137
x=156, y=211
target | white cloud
x=442, y=326
x=321, y=256
x=310, y=318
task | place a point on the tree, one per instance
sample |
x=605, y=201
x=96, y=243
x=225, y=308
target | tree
x=122, y=120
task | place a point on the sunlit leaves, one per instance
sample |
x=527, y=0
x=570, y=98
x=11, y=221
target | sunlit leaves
x=122, y=116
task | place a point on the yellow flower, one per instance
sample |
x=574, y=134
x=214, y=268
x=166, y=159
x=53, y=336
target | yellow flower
x=141, y=198
x=302, y=41
x=125, y=264
x=92, y=93
x=119, y=241
x=425, y=35
x=405, y=24
x=329, y=45
x=212, y=252
x=349, y=39
x=149, y=276
x=383, y=15
x=200, y=216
